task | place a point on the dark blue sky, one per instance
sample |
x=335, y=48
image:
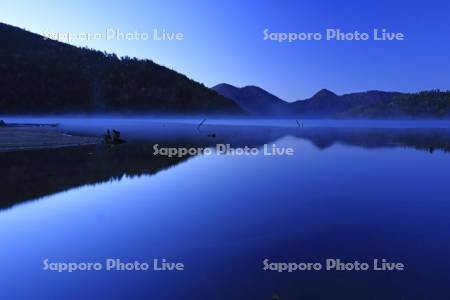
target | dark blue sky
x=223, y=40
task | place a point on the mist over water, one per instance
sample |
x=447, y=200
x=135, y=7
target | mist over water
x=354, y=190
x=116, y=119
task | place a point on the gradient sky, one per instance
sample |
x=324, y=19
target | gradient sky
x=223, y=40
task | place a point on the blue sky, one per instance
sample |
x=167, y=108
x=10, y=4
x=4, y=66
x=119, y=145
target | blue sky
x=223, y=40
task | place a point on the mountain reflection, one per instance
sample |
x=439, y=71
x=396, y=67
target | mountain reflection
x=28, y=175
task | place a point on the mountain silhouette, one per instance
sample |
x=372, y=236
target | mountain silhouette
x=254, y=100
x=324, y=93
x=40, y=75
x=327, y=103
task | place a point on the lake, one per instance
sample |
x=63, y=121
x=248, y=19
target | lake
x=352, y=190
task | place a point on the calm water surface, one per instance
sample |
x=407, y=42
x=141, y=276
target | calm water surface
x=353, y=191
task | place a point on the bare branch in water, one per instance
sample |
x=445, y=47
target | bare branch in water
x=201, y=123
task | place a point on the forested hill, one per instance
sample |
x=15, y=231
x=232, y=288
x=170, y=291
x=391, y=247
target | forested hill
x=46, y=76
x=426, y=104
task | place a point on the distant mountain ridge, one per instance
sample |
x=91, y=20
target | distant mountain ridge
x=327, y=104
x=253, y=100
x=45, y=76
x=426, y=104
x=39, y=75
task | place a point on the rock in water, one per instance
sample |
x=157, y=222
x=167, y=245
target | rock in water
x=2, y=123
x=113, y=138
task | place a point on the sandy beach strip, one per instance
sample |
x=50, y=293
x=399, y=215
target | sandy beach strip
x=30, y=138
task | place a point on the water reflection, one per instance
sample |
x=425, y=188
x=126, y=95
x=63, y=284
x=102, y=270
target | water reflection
x=352, y=194
x=30, y=175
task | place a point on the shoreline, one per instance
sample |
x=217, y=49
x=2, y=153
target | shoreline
x=42, y=137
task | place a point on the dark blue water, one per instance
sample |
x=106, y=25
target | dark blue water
x=350, y=192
